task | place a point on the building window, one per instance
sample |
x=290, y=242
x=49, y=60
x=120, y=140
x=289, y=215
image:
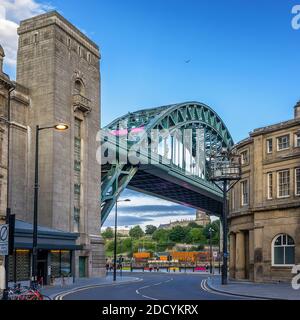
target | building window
x=232, y=199
x=283, y=251
x=245, y=194
x=245, y=157
x=297, y=140
x=60, y=263
x=269, y=146
x=77, y=173
x=283, y=142
x=19, y=265
x=283, y=184
x=270, y=185
x=297, y=181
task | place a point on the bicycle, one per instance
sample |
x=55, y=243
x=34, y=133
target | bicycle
x=26, y=293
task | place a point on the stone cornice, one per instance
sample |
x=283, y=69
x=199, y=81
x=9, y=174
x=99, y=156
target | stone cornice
x=243, y=143
x=275, y=127
x=5, y=81
x=292, y=156
x=256, y=209
x=52, y=18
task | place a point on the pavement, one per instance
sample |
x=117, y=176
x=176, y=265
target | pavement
x=278, y=291
x=81, y=283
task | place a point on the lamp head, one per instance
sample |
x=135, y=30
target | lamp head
x=61, y=126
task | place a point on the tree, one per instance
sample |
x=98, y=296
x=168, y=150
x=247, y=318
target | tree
x=108, y=233
x=193, y=224
x=177, y=234
x=136, y=232
x=160, y=235
x=197, y=235
x=127, y=245
x=150, y=229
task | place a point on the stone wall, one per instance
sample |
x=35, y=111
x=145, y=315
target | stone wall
x=254, y=226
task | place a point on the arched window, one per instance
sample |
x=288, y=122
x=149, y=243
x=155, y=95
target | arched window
x=283, y=249
x=78, y=86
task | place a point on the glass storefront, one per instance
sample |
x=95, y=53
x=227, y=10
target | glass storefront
x=20, y=265
x=60, y=263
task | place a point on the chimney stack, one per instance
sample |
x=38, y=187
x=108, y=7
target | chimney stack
x=297, y=110
x=2, y=55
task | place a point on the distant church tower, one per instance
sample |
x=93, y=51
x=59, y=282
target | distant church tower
x=202, y=218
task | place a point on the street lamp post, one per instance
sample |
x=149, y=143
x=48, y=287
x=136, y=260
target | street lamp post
x=219, y=255
x=115, y=244
x=225, y=172
x=210, y=249
x=59, y=127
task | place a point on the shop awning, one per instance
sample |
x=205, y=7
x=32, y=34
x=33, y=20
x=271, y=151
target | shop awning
x=49, y=239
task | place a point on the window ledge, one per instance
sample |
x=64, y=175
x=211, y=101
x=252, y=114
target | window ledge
x=279, y=150
x=282, y=266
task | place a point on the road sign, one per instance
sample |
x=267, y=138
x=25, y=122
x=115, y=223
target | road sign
x=215, y=254
x=4, y=235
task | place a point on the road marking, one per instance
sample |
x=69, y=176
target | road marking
x=205, y=287
x=145, y=287
x=61, y=295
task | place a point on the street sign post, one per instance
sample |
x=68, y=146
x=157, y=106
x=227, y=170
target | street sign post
x=4, y=236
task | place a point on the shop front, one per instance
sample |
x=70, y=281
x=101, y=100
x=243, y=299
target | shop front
x=55, y=260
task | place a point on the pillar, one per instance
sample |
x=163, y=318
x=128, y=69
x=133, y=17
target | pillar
x=240, y=256
x=232, y=248
x=258, y=254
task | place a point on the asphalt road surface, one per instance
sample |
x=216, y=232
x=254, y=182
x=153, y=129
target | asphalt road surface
x=152, y=286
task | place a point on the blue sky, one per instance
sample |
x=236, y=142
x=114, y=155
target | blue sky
x=244, y=55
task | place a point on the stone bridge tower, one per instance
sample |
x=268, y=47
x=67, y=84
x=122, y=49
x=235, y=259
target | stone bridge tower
x=60, y=67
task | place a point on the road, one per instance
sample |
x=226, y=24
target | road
x=153, y=286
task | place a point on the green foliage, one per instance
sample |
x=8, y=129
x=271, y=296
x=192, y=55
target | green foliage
x=150, y=229
x=196, y=235
x=161, y=235
x=193, y=224
x=147, y=245
x=178, y=234
x=136, y=232
x=126, y=245
x=159, y=240
x=108, y=233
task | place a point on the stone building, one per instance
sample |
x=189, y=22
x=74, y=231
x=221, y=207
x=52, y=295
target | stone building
x=202, y=219
x=6, y=87
x=264, y=221
x=57, y=80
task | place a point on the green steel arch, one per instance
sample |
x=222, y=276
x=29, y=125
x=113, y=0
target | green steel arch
x=178, y=174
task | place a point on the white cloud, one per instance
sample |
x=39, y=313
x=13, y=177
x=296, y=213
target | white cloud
x=11, y=13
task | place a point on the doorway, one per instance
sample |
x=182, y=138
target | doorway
x=82, y=267
x=42, y=266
